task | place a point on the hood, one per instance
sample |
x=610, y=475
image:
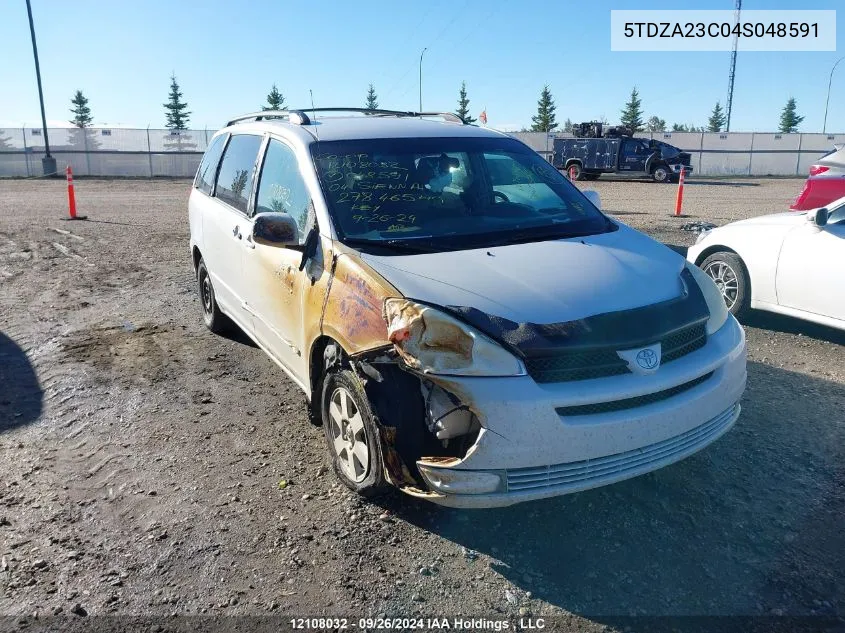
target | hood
x=542, y=282
x=790, y=218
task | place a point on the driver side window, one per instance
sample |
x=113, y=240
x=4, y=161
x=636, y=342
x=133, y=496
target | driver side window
x=282, y=189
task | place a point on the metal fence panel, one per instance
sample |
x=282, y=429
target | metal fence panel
x=104, y=151
x=157, y=152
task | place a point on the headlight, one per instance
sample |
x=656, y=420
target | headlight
x=702, y=235
x=433, y=342
x=714, y=299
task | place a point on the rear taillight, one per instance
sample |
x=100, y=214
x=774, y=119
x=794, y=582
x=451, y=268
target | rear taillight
x=815, y=170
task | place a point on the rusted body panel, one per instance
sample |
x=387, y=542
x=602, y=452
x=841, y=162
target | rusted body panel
x=354, y=310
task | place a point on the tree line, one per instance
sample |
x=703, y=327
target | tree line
x=632, y=115
x=177, y=116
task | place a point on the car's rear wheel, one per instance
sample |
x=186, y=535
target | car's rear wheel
x=731, y=277
x=214, y=319
x=352, y=434
x=661, y=173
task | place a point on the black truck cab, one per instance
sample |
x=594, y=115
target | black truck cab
x=617, y=153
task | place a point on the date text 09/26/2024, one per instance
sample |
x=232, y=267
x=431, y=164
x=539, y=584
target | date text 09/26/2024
x=419, y=624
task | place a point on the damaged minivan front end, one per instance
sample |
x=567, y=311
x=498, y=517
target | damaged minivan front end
x=506, y=412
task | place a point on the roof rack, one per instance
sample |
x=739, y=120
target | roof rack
x=299, y=116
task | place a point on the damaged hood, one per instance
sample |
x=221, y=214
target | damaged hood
x=542, y=282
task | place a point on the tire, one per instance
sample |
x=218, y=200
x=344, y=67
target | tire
x=214, y=319
x=578, y=172
x=731, y=277
x=661, y=173
x=350, y=430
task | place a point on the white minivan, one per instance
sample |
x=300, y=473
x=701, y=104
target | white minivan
x=466, y=324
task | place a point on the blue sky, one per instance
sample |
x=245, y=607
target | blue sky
x=226, y=55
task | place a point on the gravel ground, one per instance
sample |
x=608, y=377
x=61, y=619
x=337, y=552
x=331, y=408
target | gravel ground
x=141, y=456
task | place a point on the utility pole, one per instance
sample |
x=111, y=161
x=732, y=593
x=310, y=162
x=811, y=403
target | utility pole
x=732, y=72
x=827, y=102
x=421, y=56
x=48, y=163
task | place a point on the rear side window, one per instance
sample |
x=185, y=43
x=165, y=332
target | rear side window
x=208, y=167
x=234, y=182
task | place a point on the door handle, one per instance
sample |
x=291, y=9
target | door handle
x=237, y=231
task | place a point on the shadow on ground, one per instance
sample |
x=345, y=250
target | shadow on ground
x=237, y=335
x=722, y=183
x=790, y=325
x=729, y=531
x=21, y=396
x=614, y=212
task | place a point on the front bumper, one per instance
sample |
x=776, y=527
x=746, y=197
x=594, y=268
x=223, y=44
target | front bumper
x=527, y=450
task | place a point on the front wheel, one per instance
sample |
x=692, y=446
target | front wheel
x=731, y=277
x=351, y=434
x=661, y=173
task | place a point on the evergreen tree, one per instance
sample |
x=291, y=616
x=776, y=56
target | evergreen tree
x=372, y=99
x=683, y=127
x=655, y=124
x=80, y=136
x=717, y=119
x=789, y=118
x=81, y=112
x=463, y=105
x=632, y=113
x=567, y=125
x=4, y=141
x=275, y=100
x=175, y=110
x=544, y=120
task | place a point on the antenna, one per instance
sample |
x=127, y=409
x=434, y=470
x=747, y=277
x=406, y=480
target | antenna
x=314, y=114
x=732, y=72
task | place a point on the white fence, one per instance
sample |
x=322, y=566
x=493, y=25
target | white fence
x=104, y=151
x=731, y=154
x=149, y=153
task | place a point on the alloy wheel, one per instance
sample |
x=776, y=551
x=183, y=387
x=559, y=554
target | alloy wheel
x=349, y=437
x=726, y=281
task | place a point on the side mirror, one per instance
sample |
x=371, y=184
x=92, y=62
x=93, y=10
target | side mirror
x=275, y=229
x=593, y=196
x=818, y=217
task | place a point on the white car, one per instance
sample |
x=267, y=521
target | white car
x=466, y=324
x=790, y=263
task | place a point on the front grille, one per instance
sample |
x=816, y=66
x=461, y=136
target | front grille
x=631, y=403
x=589, y=473
x=600, y=363
x=683, y=342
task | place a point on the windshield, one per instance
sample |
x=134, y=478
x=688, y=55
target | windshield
x=668, y=151
x=448, y=193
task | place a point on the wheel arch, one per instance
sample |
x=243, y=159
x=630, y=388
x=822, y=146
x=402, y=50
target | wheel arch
x=196, y=256
x=716, y=248
x=318, y=364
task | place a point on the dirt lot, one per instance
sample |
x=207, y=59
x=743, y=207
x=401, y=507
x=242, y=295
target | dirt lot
x=141, y=456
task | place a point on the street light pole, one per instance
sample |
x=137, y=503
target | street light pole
x=421, y=56
x=48, y=163
x=827, y=102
